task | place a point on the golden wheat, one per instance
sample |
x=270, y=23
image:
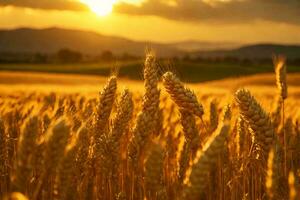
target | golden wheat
x=152, y=144
x=280, y=69
x=26, y=148
x=207, y=158
x=257, y=119
x=183, y=97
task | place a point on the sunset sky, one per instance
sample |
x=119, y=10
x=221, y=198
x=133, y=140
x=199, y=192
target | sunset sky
x=245, y=21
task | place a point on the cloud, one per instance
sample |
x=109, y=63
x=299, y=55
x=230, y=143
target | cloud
x=46, y=4
x=224, y=11
x=209, y=11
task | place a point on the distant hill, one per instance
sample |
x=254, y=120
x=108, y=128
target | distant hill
x=50, y=40
x=257, y=51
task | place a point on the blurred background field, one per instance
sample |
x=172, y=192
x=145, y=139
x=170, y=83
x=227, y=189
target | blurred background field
x=189, y=71
x=73, y=83
x=67, y=51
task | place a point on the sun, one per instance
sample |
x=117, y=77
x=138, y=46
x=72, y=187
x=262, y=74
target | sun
x=100, y=7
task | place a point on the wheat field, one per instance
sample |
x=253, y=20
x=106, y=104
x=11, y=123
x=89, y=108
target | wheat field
x=166, y=140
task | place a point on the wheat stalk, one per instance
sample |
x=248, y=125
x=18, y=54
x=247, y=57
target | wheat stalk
x=190, y=130
x=26, y=148
x=66, y=174
x=55, y=147
x=240, y=136
x=147, y=119
x=188, y=106
x=101, y=130
x=79, y=146
x=280, y=70
x=227, y=113
x=184, y=162
x=276, y=114
x=83, y=141
x=273, y=173
x=3, y=157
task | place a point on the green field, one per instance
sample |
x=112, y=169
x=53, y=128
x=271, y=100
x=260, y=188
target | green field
x=187, y=71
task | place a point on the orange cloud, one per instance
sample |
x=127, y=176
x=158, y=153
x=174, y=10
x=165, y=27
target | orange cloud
x=46, y=4
x=223, y=11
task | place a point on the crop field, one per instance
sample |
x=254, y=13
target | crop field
x=188, y=71
x=88, y=137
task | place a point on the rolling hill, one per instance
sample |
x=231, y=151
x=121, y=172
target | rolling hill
x=257, y=51
x=50, y=40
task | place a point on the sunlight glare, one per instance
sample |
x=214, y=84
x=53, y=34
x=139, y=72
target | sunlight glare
x=100, y=7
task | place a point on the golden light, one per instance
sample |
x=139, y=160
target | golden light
x=100, y=7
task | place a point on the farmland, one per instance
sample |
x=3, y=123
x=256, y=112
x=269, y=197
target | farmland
x=156, y=139
x=189, y=71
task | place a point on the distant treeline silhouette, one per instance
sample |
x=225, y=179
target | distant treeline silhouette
x=70, y=56
x=234, y=60
x=64, y=55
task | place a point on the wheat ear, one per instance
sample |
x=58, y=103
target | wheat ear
x=147, y=119
x=257, y=119
x=182, y=96
x=101, y=127
x=122, y=118
x=280, y=70
x=120, y=125
x=105, y=104
x=207, y=158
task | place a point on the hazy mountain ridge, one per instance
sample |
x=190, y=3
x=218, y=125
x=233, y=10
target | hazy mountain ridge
x=50, y=40
x=256, y=51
